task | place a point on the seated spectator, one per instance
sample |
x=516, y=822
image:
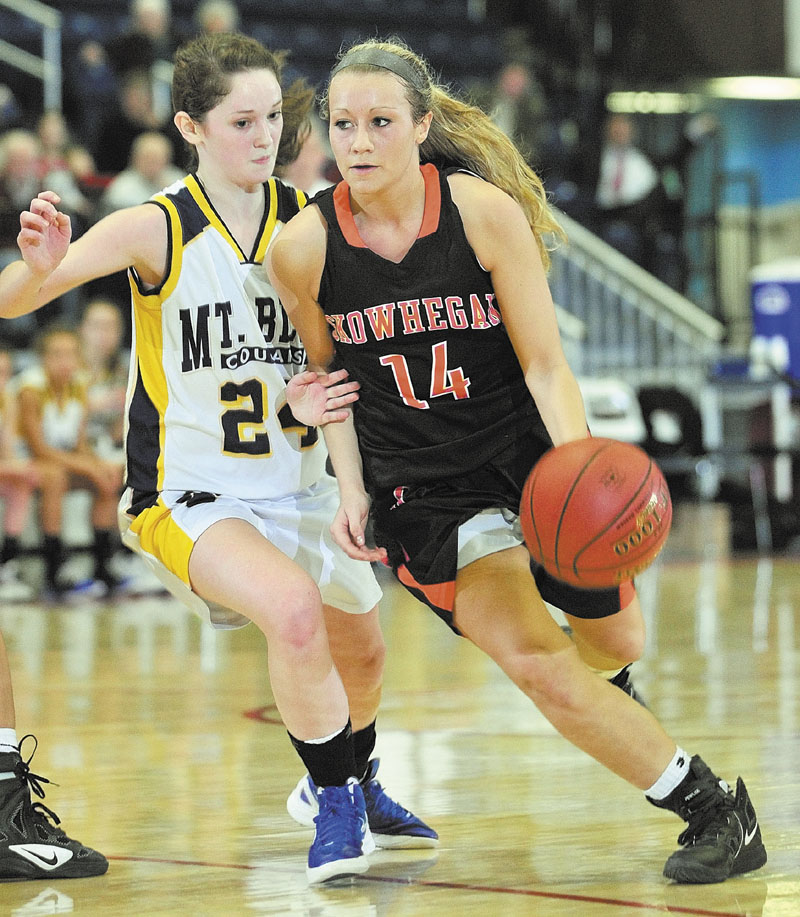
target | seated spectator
x=56, y=171
x=149, y=171
x=516, y=102
x=123, y=124
x=53, y=415
x=106, y=373
x=149, y=37
x=90, y=91
x=19, y=174
x=147, y=45
x=89, y=182
x=106, y=362
x=18, y=480
x=213, y=16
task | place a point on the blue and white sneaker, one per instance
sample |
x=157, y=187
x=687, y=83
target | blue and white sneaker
x=389, y=823
x=341, y=829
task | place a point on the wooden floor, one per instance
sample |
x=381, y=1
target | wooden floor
x=170, y=759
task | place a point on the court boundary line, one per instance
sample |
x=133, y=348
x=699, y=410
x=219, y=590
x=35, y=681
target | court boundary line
x=462, y=886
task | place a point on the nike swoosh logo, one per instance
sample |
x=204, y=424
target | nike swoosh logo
x=42, y=854
x=48, y=861
x=749, y=835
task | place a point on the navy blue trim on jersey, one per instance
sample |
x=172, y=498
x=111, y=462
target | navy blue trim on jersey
x=142, y=446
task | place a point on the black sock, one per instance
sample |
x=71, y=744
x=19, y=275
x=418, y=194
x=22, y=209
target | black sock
x=330, y=763
x=102, y=554
x=53, y=558
x=10, y=550
x=363, y=746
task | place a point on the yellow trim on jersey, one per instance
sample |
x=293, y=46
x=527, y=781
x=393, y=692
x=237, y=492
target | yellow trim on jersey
x=208, y=212
x=149, y=332
x=271, y=222
x=176, y=238
x=161, y=536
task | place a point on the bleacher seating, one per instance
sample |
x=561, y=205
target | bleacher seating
x=458, y=47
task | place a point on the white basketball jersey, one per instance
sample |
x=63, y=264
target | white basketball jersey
x=213, y=350
x=62, y=417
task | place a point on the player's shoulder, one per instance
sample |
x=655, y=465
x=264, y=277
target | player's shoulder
x=469, y=186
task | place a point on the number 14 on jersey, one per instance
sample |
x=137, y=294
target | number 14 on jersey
x=444, y=381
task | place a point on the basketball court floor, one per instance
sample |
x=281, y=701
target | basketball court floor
x=170, y=758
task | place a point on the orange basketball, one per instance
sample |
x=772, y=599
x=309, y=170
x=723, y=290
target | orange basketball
x=595, y=512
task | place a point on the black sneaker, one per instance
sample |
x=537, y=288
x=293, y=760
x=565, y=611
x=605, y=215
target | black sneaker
x=32, y=846
x=722, y=839
x=622, y=680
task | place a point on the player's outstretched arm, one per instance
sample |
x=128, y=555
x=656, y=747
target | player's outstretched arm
x=51, y=264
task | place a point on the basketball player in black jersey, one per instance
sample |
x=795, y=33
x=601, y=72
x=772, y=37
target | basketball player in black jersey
x=423, y=275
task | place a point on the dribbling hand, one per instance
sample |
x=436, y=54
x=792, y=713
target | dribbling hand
x=320, y=398
x=45, y=233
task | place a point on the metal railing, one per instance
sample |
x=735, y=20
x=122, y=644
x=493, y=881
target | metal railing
x=634, y=326
x=47, y=68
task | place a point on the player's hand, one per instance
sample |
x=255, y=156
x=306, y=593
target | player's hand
x=45, y=233
x=319, y=398
x=348, y=528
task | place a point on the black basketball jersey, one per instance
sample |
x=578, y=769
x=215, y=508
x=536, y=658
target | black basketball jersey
x=441, y=391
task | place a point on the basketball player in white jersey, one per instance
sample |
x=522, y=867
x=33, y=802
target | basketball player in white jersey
x=227, y=495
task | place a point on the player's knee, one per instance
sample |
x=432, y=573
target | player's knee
x=626, y=644
x=370, y=662
x=299, y=625
x=545, y=679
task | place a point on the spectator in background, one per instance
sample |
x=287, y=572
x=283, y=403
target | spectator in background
x=517, y=104
x=90, y=91
x=56, y=158
x=150, y=169
x=105, y=362
x=148, y=38
x=9, y=108
x=628, y=192
x=18, y=480
x=53, y=413
x=54, y=138
x=147, y=46
x=122, y=125
x=20, y=158
x=213, y=16
x=19, y=173
x=640, y=197
x=83, y=172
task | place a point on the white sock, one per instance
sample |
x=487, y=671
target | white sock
x=675, y=771
x=324, y=739
x=8, y=743
x=8, y=740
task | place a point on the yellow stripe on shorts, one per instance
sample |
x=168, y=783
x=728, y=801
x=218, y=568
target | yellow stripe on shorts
x=162, y=537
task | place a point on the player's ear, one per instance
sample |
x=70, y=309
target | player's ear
x=187, y=127
x=423, y=126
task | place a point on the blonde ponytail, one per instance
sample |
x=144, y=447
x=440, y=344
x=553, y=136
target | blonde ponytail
x=463, y=135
